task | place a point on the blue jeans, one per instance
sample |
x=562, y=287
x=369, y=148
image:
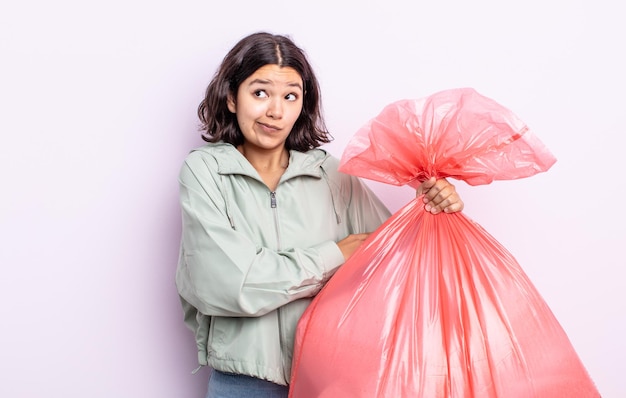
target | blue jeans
x=228, y=385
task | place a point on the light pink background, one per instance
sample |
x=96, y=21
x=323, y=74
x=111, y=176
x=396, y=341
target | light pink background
x=97, y=111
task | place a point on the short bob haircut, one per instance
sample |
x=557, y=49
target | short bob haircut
x=248, y=55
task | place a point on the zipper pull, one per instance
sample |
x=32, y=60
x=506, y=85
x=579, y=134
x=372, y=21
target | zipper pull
x=273, y=199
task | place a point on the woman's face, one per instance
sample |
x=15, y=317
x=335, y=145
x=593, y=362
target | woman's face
x=267, y=106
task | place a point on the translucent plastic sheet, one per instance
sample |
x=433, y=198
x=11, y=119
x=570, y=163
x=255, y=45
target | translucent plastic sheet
x=433, y=306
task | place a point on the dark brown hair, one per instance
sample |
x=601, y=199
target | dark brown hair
x=248, y=55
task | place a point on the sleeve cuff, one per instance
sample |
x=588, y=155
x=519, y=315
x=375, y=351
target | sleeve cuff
x=331, y=257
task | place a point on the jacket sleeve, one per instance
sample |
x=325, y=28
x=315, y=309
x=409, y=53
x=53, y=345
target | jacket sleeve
x=365, y=211
x=221, y=272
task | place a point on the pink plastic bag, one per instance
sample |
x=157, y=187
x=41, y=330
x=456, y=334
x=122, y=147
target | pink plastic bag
x=433, y=306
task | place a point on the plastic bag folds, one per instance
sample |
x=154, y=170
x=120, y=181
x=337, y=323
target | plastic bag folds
x=432, y=306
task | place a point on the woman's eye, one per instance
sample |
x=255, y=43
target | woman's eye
x=260, y=94
x=291, y=97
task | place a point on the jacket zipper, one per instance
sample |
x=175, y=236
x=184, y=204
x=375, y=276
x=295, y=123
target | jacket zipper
x=273, y=199
x=273, y=206
x=281, y=336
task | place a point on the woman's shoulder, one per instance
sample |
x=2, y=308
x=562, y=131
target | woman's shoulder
x=212, y=149
x=313, y=160
x=219, y=152
x=330, y=165
x=321, y=157
x=211, y=157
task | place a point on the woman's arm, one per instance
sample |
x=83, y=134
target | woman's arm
x=222, y=272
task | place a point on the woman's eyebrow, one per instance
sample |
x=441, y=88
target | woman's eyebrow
x=259, y=81
x=295, y=84
x=264, y=81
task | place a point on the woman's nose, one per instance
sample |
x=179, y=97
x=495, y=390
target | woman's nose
x=275, y=109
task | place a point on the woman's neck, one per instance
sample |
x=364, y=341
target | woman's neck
x=266, y=160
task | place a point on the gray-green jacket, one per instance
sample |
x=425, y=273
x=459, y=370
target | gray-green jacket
x=251, y=259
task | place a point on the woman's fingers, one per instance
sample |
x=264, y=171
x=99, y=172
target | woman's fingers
x=349, y=244
x=425, y=186
x=440, y=196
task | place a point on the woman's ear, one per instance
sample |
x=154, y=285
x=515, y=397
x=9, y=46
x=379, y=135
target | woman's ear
x=230, y=102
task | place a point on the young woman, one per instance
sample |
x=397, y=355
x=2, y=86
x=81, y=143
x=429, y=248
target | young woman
x=267, y=218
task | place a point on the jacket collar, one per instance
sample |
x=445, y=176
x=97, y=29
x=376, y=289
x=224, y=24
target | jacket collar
x=231, y=161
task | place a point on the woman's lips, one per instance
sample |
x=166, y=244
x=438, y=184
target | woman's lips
x=269, y=128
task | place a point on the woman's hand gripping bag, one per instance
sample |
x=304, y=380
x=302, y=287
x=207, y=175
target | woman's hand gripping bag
x=433, y=306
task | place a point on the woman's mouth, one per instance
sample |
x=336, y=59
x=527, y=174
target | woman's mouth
x=269, y=128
